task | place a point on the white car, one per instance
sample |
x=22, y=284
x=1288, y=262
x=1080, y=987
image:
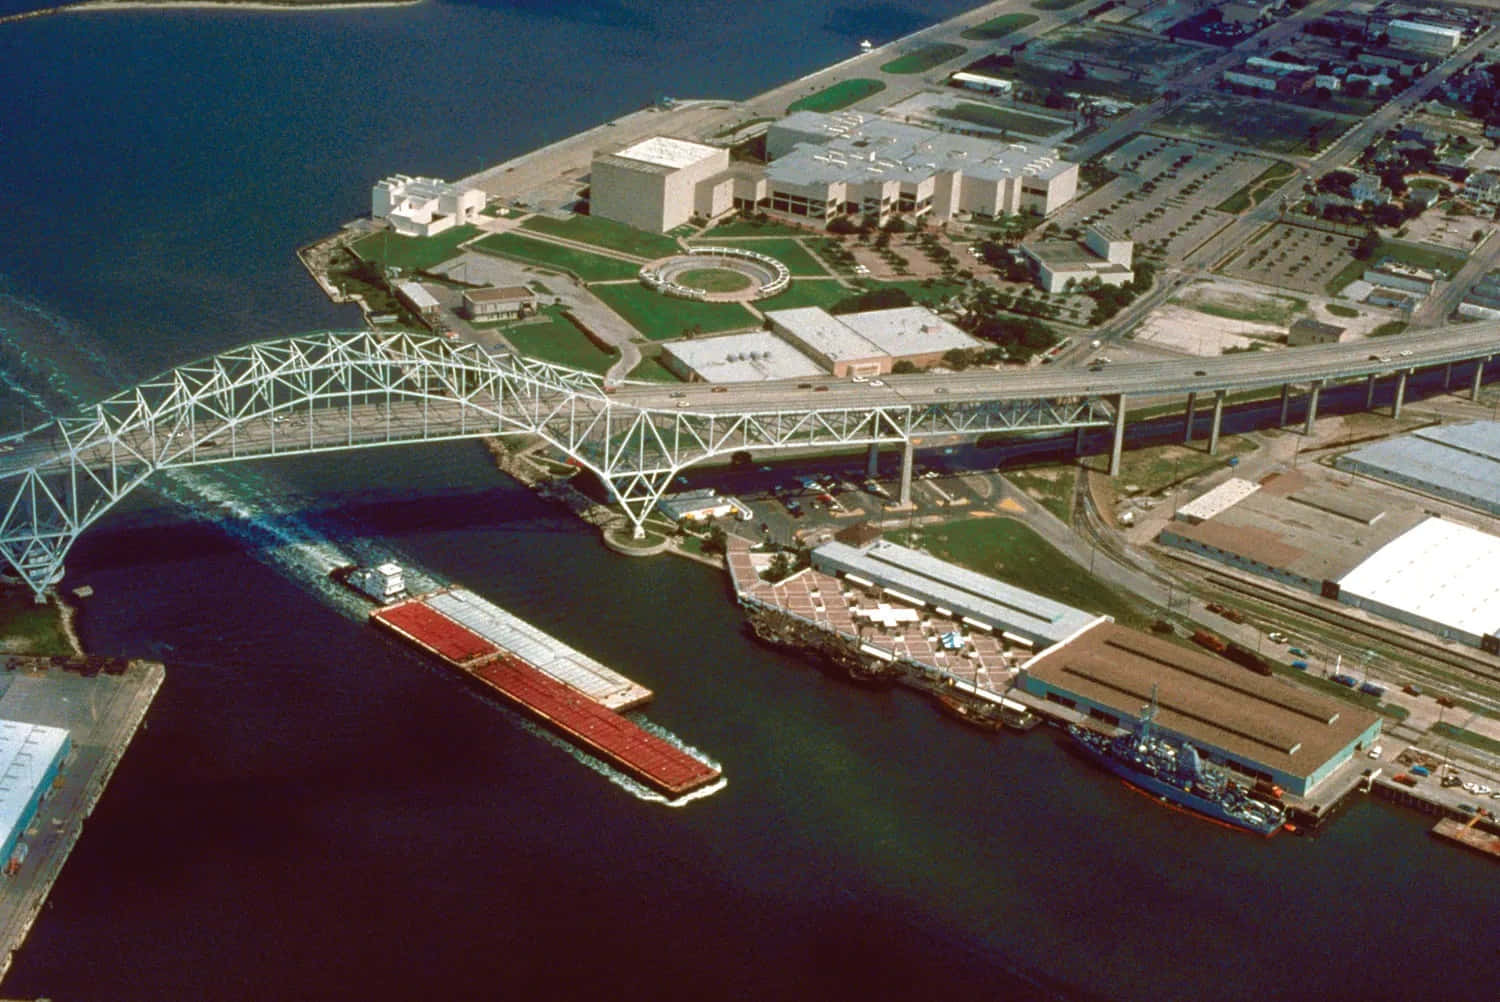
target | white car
x=1375, y=751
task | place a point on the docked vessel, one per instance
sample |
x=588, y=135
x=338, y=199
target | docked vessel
x=987, y=715
x=1177, y=774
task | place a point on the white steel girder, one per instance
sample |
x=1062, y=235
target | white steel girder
x=339, y=390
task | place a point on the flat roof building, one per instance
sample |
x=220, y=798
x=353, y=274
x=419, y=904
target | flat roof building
x=1438, y=576
x=1103, y=254
x=1455, y=462
x=1265, y=728
x=1306, y=331
x=660, y=183
x=950, y=590
x=752, y=357
x=499, y=303
x=826, y=165
x=1216, y=501
x=1420, y=36
x=31, y=755
x=869, y=343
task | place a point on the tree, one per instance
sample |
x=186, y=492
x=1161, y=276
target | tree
x=716, y=541
x=903, y=367
x=780, y=568
x=1367, y=246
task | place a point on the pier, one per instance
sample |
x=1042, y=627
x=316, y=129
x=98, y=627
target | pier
x=102, y=703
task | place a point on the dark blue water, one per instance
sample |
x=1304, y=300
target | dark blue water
x=315, y=812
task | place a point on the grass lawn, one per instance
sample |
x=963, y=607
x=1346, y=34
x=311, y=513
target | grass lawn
x=940, y=291
x=588, y=267
x=1055, y=4
x=29, y=628
x=1003, y=118
x=1388, y=328
x=1155, y=470
x=1430, y=258
x=714, y=280
x=1012, y=552
x=605, y=233
x=1340, y=310
x=806, y=292
x=748, y=228
x=998, y=27
x=413, y=253
x=1051, y=487
x=1466, y=737
x=840, y=95
x=784, y=249
x=924, y=59
x=652, y=371
x=1267, y=309
x=1257, y=190
x=661, y=318
x=558, y=340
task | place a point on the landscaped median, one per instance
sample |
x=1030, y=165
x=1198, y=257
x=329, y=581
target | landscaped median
x=840, y=95
x=998, y=27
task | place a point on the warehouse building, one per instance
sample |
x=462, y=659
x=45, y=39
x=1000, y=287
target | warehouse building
x=827, y=165
x=872, y=342
x=31, y=756
x=952, y=592
x=737, y=358
x=660, y=183
x=1428, y=39
x=1263, y=728
x=1438, y=576
x=1456, y=462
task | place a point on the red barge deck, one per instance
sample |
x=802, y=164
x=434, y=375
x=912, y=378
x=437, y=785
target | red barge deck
x=615, y=738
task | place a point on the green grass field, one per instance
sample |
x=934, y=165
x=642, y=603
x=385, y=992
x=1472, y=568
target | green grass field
x=413, y=253
x=1466, y=737
x=605, y=233
x=924, y=59
x=652, y=371
x=1054, y=4
x=1266, y=309
x=840, y=95
x=940, y=289
x=1012, y=552
x=1430, y=258
x=588, y=267
x=714, y=280
x=30, y=628
x=557, y=340
x=784, y=249
x=732, y=228
x=1339, y=310
x=998, y=27
x=1259, y=189
x=1050, y=487
x=661, y=318
x=1003, y=118
x=806, y=292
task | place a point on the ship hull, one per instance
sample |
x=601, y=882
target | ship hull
x=1175, y=795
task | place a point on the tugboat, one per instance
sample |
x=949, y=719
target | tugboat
x=1177, y=774
x=382, y=584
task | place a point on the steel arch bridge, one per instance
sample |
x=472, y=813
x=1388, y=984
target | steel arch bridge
x=334, y=390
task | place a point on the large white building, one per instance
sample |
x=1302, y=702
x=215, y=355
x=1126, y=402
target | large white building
x=660, y=183
x=423, y=206
x=1103, y=254
x=1419, y=36
x=31, y=756
x=870, y=343
x=823, y=166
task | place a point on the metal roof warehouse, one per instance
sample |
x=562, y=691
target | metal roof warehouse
x=1263, y=727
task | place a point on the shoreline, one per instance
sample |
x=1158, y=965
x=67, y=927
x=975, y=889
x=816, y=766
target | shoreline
x=87, y=6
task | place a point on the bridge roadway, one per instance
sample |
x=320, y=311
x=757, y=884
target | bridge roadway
x=364, y=389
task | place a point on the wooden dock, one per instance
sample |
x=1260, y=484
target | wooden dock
x=1468, y=835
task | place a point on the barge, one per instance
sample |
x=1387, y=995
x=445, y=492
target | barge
x=582, y=706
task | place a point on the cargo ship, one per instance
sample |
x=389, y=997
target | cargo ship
x=569, y=693
x=1175, y=773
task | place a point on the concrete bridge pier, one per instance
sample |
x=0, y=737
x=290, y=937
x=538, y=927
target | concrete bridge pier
x=1312, y=406
x=1118, y=444
x=1286, y=400
x=1187, y=420
x=1078, y=439
x=1447, y=376
x=1370, y=391
x=908, y=454
x=872, y=460
x=1400, y=394
x=1213, y=430
x=1478, y=378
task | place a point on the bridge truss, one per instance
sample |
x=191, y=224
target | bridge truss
x=343, y=390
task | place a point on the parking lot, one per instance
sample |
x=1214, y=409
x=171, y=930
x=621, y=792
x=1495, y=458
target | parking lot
x=1166, y=194
x=1291, y=257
